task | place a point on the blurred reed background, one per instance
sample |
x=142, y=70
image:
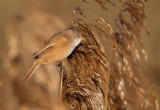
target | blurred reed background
x=25, y=25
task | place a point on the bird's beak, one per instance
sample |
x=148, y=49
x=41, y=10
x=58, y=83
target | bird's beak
x=82, y=38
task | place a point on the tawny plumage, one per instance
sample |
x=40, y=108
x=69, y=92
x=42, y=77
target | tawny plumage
x=57, y=48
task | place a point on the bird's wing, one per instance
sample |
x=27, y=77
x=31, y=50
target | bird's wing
x=43, y=52
x=48, y=46
x=49, y=43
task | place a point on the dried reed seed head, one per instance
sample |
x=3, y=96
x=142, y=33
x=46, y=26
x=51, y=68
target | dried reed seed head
x=86, y=74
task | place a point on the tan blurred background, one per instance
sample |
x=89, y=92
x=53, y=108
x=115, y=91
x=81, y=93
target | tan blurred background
x=152, y=43
x=25, y=25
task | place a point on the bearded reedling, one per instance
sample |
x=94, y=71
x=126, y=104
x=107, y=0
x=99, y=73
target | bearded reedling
x=57, y=48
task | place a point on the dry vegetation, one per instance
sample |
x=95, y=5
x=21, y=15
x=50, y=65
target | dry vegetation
x=92, y=77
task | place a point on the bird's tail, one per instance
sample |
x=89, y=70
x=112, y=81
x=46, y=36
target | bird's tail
x=35, y=65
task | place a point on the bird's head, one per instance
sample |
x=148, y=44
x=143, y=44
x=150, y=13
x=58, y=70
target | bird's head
x=76, y=33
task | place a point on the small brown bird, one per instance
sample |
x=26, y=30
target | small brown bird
x=57, y=48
